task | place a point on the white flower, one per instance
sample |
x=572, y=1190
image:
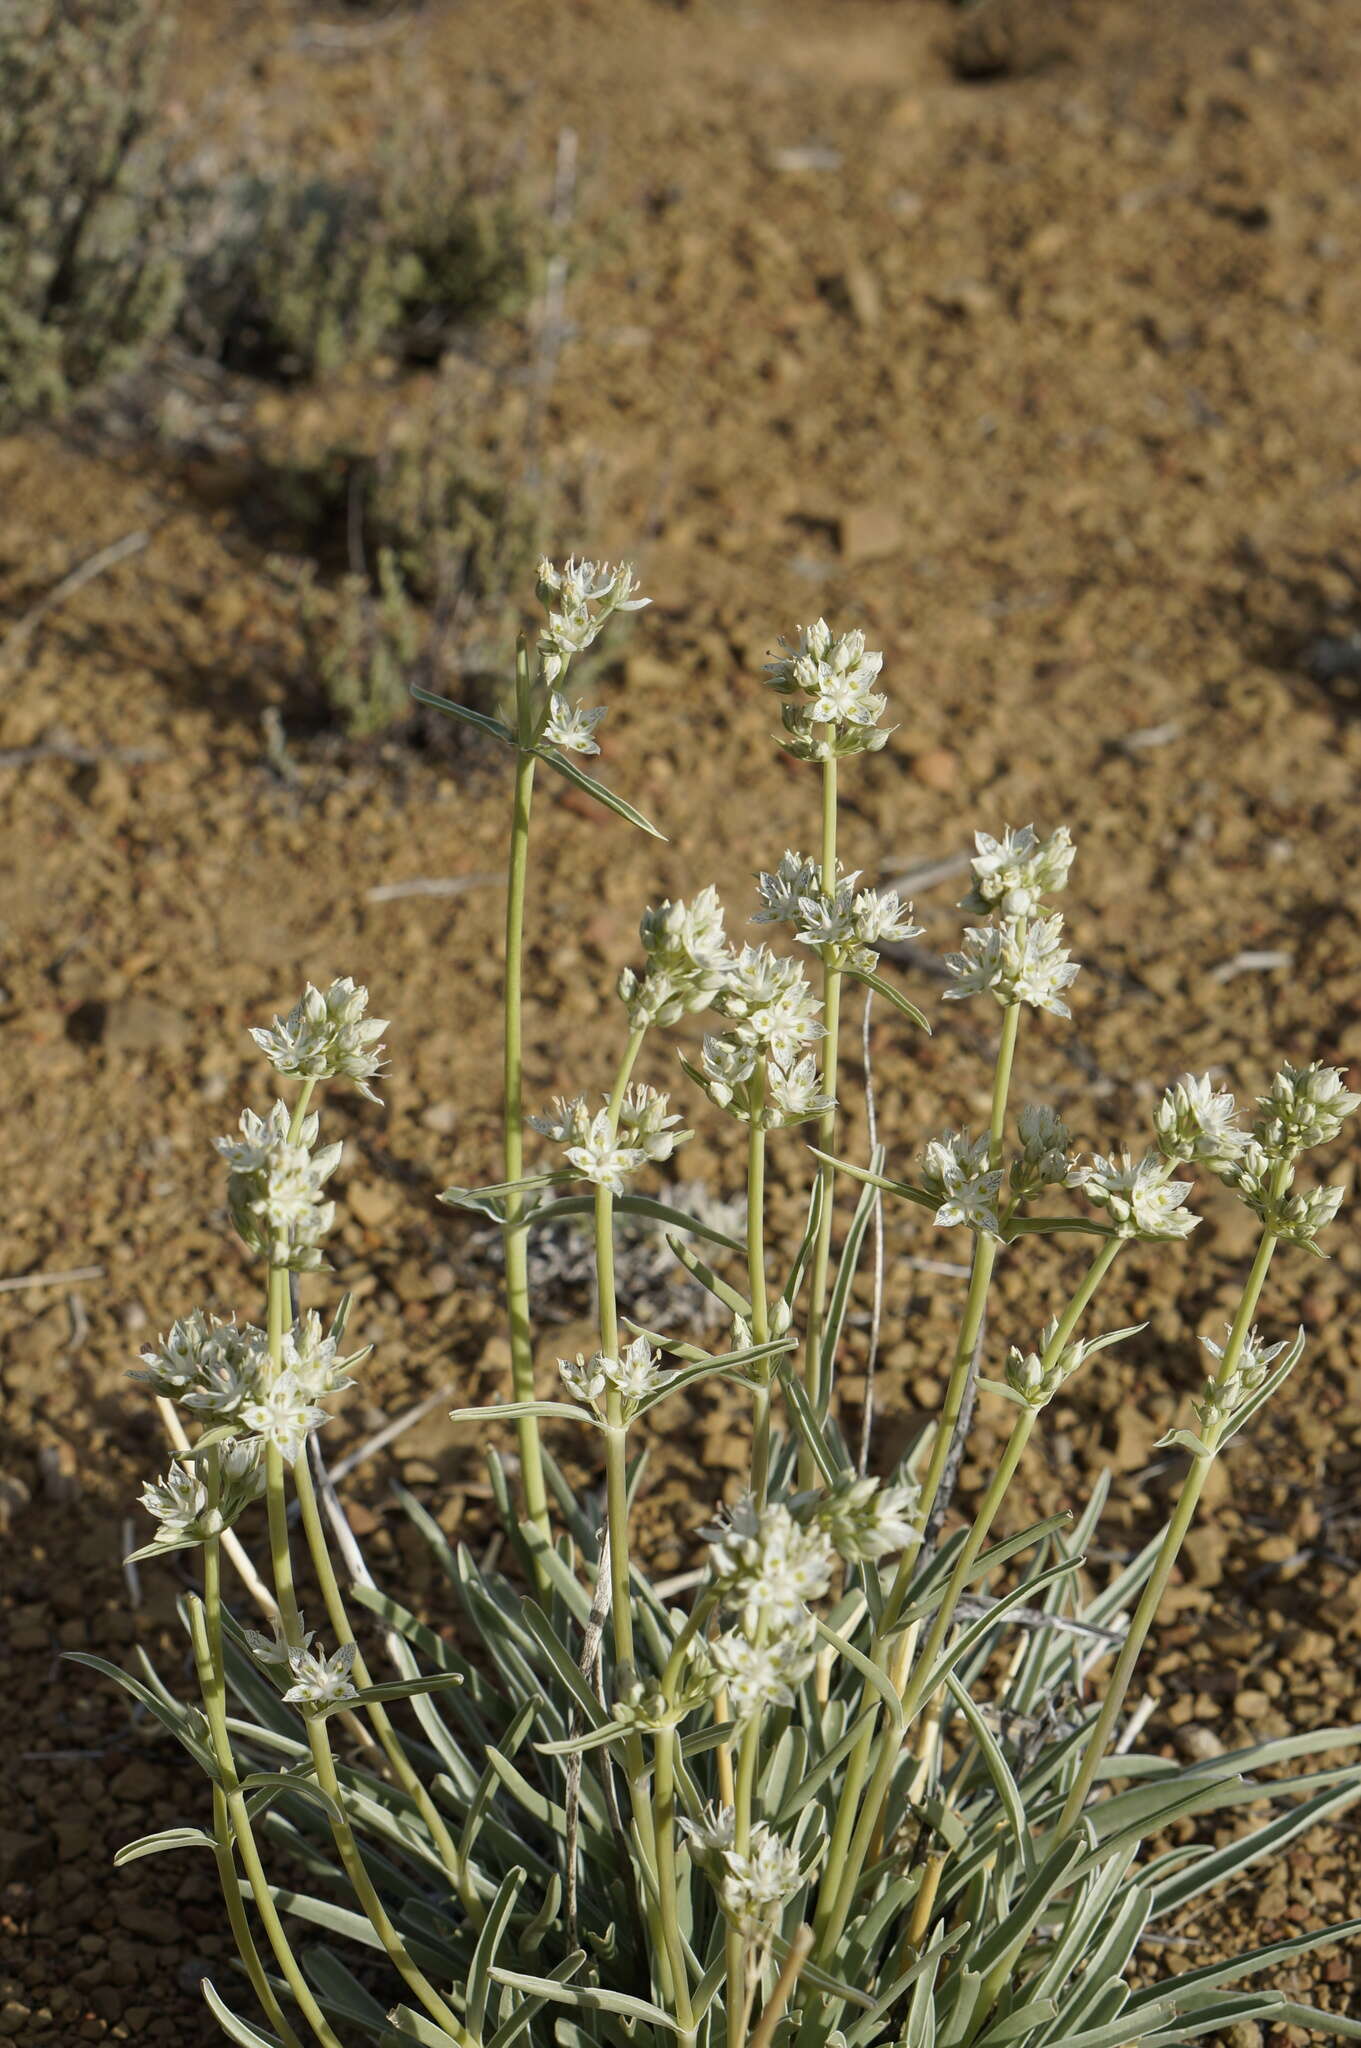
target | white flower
x=579, y=598
x=782, y=892
x=283, y=1414
x=712, y=1833
x=274, y=1648
x=644, y=1121
x=601, y=1158
x=327, y=1037
x=1307, y=1106
x=321, y=1681
x=1140, y=1197
x=757, y=1883
x=1014, y=964
x=1299, y=1218
x=794, y=1093
x=1195, y=1123
x=867, y=1519
x=726, y=1064
x=568, y=1121
x=572, y=726
x=1012, y=875
x=179, y=1504
x=1043, y=1161
x=636, y=1373
x=958, y=1176
x=274, y=1185
x=769, y=1566
x=584, y=1379
x=760, y=1675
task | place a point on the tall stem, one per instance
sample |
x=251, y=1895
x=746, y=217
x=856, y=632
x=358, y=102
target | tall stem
x=1182, y=1516
x=338, y=1615
x=814, y=1378
x=756, y=1283
x=971, y=1323
x=514, y=1236
x=215, y=1712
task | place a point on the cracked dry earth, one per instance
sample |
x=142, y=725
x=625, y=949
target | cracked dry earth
x=1024, y=337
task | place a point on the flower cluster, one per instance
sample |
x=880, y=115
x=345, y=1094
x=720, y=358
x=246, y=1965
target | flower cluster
x=958, y=1176
x=605, y=1149
x=180, y=1503
x=1012, y=875
x=1015, y=962
x=846, y=924
x=688, y=959
x=1139, y=1196
x=642, y=1703
x=761, y=1070
x=834, y=708
x=579, y=598
x=767, y=1567
x=1042, y=1161
x=1197, y=1124
x=1222, y=1397
x=274, y=1187
x=327, y=1037
x=1034, y=1377
x=866, y=1519
x=1257, y=1178
x=225, y=1373
x=634, y=1376
x=1307, y=1106
x=754, y=1883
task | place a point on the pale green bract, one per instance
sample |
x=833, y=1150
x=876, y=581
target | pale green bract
x=862, y=1776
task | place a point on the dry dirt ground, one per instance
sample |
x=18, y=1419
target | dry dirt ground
x=1026, y=338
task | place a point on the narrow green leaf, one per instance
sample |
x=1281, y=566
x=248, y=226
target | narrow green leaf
x=693, y=1264
x=391, y=1689
x=235, y=2029
x=590, y=1997
x=488, y=1941
x=872, y=1675
x=595, y=789
x=998, y=1769
x=506, y=2035
x=808, y=1426
x=877, y=1180
x=889, y=993
x=493, y=727
x=161, y=1844
x=512, y=1411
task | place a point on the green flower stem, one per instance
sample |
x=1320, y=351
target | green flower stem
x=756, y=1283
x=229, y=1790
x=1182, y=1516
x=211, y=1673
x=339, y=1617
x=831, y=1017
x=740, y=1993
x=365, y=1892
x=668, y=1884
x=281, y=1564
x=616, y=1497
x=877, y=1794
x=514, y=1237
x=985, y=1251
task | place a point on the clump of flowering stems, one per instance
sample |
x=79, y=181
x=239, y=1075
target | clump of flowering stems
x=862, y=1787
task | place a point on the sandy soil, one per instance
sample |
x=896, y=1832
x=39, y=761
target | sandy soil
x=1025, y=338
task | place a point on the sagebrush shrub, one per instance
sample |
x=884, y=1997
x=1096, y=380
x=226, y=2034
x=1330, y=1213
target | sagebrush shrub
x=859, y=1778
x=90, y=274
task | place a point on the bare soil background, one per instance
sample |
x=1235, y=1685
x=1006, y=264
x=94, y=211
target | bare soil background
x=1025, y=337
